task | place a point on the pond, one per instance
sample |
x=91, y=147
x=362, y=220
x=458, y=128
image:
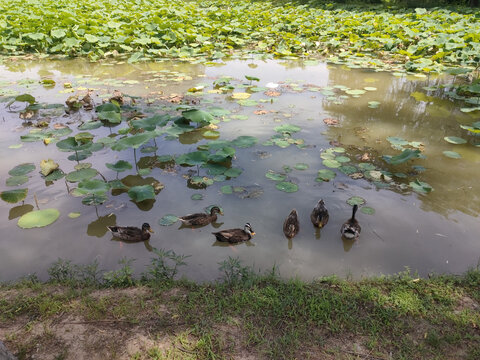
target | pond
x=377, y=138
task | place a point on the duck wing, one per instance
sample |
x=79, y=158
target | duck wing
x=232, y=235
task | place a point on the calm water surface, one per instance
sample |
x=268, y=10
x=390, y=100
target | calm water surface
x=437, y=232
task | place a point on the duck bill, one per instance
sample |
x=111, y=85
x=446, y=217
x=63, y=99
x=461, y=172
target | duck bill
x=150, y=230
x=253, y=233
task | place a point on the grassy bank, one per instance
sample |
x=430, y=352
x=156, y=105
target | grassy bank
x=244, y=316
x=423, y=40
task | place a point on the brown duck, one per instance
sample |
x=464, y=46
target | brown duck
x=200, y=219
x=235, y=235
x=131, y=233
x=351, y=228
x=319, y=215
x=291, y=225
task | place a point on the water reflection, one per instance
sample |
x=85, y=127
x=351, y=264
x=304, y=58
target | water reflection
x=419, y=231
x=146, y=243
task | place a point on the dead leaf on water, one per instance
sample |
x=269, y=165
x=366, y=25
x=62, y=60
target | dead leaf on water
x=331, y=121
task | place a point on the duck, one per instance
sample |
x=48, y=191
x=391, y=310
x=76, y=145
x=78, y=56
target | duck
x=319, y=215
x=235, y=235
x=201, y=219
x=131, y=233
x=351, y=228
x=291, y=225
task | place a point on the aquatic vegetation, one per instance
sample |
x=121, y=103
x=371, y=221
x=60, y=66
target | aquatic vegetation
x=38, y=218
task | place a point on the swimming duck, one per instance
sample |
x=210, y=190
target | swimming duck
x=131, y=233
x=235, y=235
x=200, y=219
x=351, y=228
x=291, y=225
x=319, y=215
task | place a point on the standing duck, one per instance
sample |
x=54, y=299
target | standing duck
x=235, y=235
x=351, y=228
x=131, y=233
x=291, y=225
x=201, y=219
x=319, y=215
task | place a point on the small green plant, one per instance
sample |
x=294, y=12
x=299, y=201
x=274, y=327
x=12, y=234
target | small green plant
x=122, y=277
x=62, y=271
x=164, y=267
x=235, y=274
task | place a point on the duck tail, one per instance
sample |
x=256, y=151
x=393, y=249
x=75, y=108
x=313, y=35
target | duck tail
x=355, y=208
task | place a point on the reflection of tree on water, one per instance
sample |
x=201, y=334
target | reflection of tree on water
x=408, y=111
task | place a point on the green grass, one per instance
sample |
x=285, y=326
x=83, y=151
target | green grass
x=423, y=40
x=261, y=314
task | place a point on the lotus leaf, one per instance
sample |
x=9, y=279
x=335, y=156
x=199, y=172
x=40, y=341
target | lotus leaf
x=233, y=172
x=286, y=186
x=94, y=200
x=14, y=196
x=275, y=176
x=22, y=169
x=245, y=141
x=367, y=210
x=48, y=166
x=406, y=155
x=420, y=187
x=356, y=200
x=134, y=141
x=198, y=116
x=16, y=180
x=226, y=189
x=94, y=186
x=455, y=140
x=119, y=166
x=168, y=219
x=80, y=175
x=452, y=154
x=141, y=193
x=193, y=158
x=38, y=218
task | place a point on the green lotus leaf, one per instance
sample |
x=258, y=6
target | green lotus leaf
x=200, y=181
x=367, y=210
x=25, y=98
x=22, y=169
x=70, y=144
x=245, y=141
x=38, y=218
x=233, y=172
x=90, y=125
x=373, y=104
x=406, y=155
x=94, y=186
x=274, y=176
x=80, y=175
x=198, y=116
x=287, y=186
x=325, y=175
x=109, y=112
x=342, y=159
x=168, y=219
x=226, y=189
x=16, y=180
x=119, y=166
x=355, y=92
x=247, y=102
x=397, y=141
x=420, y=187
x=193, y=158
x=211, y=134
x=356, y=200
x=141, y=193
x=134, y=141
x=452, y=154
x=455, y=140
x=151, y=123
x=14, y=196
x=74, y=215
x=301, y=166
x=94, y=200
x=287, y=128
x=252, y=78
x=331, y=163
x=347, y=169
x=55, y=175
x=197, y=197
x=366, y=166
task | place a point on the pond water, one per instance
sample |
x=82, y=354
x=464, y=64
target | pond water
x=436, y=231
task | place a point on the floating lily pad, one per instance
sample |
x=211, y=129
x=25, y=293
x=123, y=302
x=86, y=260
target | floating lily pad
x=168, y=219
x=22, y=169
x=366, y=166
x=454, y=140
x=90, y=125
x=94, y=200
x=119, y=166
x=16, y=180
x=355, y=92
x=55, y=175
x=247, y=102
x=327, y=156
x=325, y=175
x=347, y=169
x=14, y=196
x=406, y=154
x=337, y=149
x=197, y=197
x=342, y=159
x=74, y=215
x=244, y=141
x=134, y=141
x=452, y=154
x=287, y=186
x=109, y=112
x=198, y=116
x=287, y=128
x=193, y=158
x=38, y=218
x=373, y=104
x=210, y=134
x=148, y=149
x=331, y=163
x=226, y=189
x=420, y=187
x=80, y=175
x=141, y=193
x=233, y=172
x=240, y=96
x=274, y=176
x=367, y=210
x=356, y=200
x=301, y=166
x=397, y=141
x=94, y=186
